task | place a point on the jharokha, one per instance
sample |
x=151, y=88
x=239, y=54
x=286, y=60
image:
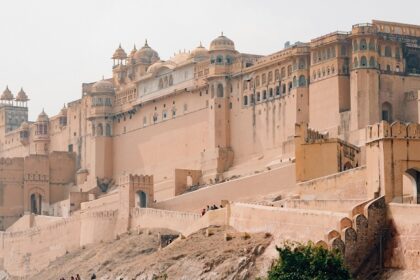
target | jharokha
x=319, y=142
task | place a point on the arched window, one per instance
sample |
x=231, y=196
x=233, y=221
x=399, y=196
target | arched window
x=108, y=129
x=289, y=70
x=277, y=90
x=220, y=91
x=277, y=74
x=164, y=115
x=283, y=72
x=258, y=96
x=212, y=60
x=160, y=83
x=387, y=112
x=257, y=81
x=263, y=79
x=212, y=91
x=388, y=68
x=100, y=130
x=155, y=117
x=173, y=112
x=219, y=59
x=314, y=57
x=319, y=73
x=328, y=71
x=363, y=45
x=372, y=62
x=270, y=77
x=328, y=53
x=295, y=82
x=302, y=81
x=363, y=61
x=165, y=81
x=171, y=80
x=284, y=89
x=270, y=92
x=333, y=51
x=264, y=97
x=245, y=100
x=142, y=199
x=388, y=51
x=302, y=63
x=397, y=68
x=355, y=47
x=290, y=86
x=355, y=63
x=371, y=45
x=229, y=60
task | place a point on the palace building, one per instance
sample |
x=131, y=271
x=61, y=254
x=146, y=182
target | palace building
x=214, y=116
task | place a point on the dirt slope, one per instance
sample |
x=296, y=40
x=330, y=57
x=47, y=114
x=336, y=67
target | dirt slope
x=137, y=256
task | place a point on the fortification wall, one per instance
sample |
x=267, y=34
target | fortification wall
x=350, y=184
x=29, y=251
x=337, y=205
x=259, y=184
x=97, y=225
x=403, y=249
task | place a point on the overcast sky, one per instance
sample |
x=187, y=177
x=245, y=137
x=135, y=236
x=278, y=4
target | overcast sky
x=50, y=47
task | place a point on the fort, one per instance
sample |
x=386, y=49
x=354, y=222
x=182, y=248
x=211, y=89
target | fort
x=319, y=142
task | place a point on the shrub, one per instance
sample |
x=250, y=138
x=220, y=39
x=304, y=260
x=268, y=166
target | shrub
x=303, y=262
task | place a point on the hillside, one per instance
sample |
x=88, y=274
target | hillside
x=137, y=256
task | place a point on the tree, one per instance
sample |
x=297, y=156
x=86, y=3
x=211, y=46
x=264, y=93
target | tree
x=307, y=261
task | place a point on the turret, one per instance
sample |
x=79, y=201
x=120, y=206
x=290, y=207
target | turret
x=42, y=138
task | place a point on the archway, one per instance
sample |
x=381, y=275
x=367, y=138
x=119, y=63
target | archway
x=387, y=112
x=220, y=90
x=142, y=199
x=36, y=203
x=411, y=186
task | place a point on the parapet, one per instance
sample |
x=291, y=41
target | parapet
x=396, y=130
x=135, y=179
x=309, y=135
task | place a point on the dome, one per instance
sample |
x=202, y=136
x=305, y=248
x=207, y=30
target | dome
x=119, y=53
x=7, y=94
x=222, y=43
x=24, y=126
x=42, y=117
x=133, y=51
x=146, y=55
x=155, y=66
x=103, y=86
x=199, y=52
x=180, y=58
x=21, y=96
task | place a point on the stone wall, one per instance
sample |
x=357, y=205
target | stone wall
x=403, y=247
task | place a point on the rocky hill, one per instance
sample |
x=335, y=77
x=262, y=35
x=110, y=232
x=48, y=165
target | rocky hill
x=213, y=253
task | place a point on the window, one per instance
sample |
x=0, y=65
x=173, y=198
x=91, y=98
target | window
x=387, y=112
x=289, y=70
x=155, y=117
x=295, y=83
x=100, y=130
x=257, y=81
x=220, y=90
x=263, y=79
x=270, y=77
x=174, y=112
x=343, y=50
x=264, y=97
x=355, y=63
x=388, y=52
x=171, y=80
x=290, y=86
x=363, y=45
x=219, y=59
x=397, y=53
x=371, y=45
x=388, y=68
x=229, y=60
x=355, y=45
x=302, y=63
x=164, y=115
x=363, y=61
x=258, y=96
x=277, y=75
x=144, y=121
x=372, y=62
x=277, y=90
x=70, y=148
x=245, y=85
x=245, y=100
x=270, y=92
x=283, y=72
x=284, y=89
x=302, y=81
x=108, y=129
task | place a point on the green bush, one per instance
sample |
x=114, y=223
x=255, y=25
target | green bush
x=304, y=262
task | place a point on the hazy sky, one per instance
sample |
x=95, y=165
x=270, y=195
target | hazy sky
x=51, y=47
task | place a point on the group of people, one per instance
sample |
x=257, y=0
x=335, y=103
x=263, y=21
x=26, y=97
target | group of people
x=214, y=207
x=77, y=277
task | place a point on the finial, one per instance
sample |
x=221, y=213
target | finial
x=201, y=45
x=119, y=46
x=135, y=46
x=145, y=43
x=222, y=33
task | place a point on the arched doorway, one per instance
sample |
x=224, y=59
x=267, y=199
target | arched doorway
x=387, y=112
x=36, y=203
x=411, y=186
x=142, y=199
